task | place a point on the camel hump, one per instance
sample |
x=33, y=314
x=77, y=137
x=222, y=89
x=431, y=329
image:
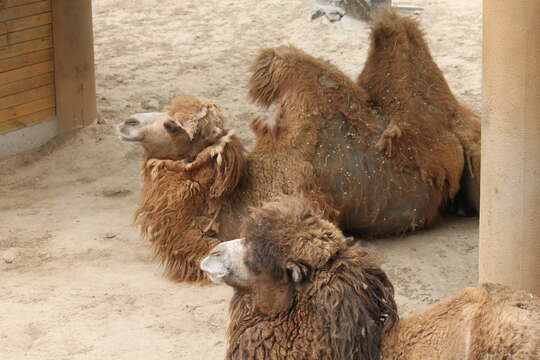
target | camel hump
x=389, y=26
x=287, y=72
x=268, y=74
x=402, y=78
x=400, y=63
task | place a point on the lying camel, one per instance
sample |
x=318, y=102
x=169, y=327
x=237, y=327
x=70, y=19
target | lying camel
x=343, y=145
x=304, y=291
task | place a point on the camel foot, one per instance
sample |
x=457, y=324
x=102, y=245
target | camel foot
x=334, y=10
x=332, y=13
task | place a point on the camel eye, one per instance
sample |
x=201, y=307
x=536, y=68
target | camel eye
x=171, y=127
x=326, y=237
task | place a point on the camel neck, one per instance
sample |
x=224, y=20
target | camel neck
x=439, y=331
x=409, y=340
x=392, y=345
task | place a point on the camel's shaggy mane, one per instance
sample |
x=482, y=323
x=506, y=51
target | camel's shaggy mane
x=178, y=210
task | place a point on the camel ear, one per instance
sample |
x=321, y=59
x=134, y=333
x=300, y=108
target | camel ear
x=297, y=272
x=230, y=167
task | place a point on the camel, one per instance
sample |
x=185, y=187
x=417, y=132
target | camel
x=302, y=290
x=342, y=144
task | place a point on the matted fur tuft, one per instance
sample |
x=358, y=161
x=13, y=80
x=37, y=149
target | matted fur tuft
x=230, y=166
x=265, y=81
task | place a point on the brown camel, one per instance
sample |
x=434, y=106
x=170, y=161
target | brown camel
x=343, y=145
x=304, y=291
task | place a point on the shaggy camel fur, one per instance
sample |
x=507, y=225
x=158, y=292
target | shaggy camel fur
x=324, y=141
x=303, y=291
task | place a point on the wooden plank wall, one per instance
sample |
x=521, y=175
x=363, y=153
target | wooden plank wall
x=27, y=93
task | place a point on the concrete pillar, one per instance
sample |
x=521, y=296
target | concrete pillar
x=510, y=188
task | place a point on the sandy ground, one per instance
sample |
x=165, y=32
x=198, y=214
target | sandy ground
x=76, y=282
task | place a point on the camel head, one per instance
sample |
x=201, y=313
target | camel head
x=174, y=134
x=286, y=241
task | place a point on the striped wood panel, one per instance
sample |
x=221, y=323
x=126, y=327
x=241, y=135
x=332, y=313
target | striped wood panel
x=13, y=3
x=27, y=93
x=26, y=35
x=17, y=12
x=25, y=60
x=26, y=84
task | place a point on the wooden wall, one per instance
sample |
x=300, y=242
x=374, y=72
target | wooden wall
x=27, y=93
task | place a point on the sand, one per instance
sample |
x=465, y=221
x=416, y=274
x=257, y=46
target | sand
x=77, y=282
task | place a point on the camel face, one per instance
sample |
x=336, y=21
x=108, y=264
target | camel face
x=285, y=242
x=189, y=125
x=225, y=264
x=160, y=136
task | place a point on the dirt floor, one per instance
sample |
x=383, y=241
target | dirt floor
x=76, y=282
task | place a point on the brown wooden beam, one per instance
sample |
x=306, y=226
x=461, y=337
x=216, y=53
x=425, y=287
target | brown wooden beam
x=74, y=63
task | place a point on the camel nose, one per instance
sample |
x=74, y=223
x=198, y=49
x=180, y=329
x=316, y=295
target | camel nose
x=132, y=121
x=215, y=265
x=225, y=262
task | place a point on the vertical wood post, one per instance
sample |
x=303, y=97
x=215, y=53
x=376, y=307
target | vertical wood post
x=510, y=188
x=74, y=63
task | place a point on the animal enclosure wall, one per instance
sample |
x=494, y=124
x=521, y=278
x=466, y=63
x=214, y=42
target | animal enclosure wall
x=47, y=80
x=27, y=90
